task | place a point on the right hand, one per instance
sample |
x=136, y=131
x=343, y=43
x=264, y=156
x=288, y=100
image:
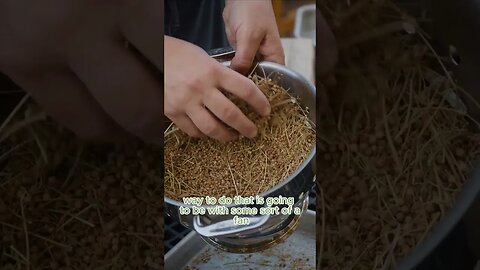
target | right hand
x=193, y=99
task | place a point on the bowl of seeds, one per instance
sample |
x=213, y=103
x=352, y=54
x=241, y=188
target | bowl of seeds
x=278, y=162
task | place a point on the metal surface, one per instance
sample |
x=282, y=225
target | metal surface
x=260, y=238
x=222, y=54
x=296, y=185
x=297, y=252
x=174, y=232
x=227, y=227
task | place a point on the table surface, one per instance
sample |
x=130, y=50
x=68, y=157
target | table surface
x=300, y=56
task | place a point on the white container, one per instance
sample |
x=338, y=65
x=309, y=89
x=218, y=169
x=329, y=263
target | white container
x=305, y=23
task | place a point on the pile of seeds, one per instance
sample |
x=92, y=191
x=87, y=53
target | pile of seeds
x=66, y=205
x=205, y=167
x=397, y=145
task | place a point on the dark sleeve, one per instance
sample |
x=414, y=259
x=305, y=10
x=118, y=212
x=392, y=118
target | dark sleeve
x=196, y=21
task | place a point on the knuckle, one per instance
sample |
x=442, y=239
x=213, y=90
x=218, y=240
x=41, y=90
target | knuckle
x=193, y=83
x=170, y=111
x=212, y=71
x=179, y=100
x=211, y=129
x=258, y=33
x=195, y=134
x=229, y=113
x=243, y=62
x=250, y=92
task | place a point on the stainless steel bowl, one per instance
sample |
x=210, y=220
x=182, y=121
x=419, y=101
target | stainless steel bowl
x=263, y=231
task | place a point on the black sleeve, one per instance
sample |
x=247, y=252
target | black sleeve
x=196, y=21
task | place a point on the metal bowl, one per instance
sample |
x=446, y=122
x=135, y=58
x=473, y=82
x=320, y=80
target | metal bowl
x=263, y=231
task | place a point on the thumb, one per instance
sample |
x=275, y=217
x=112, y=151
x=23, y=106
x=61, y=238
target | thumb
x=272, y=50
x=248, y=43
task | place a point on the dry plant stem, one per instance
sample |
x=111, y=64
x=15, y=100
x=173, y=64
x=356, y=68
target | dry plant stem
x=264, y=175
x=233, y=178
x=74, y=166
x=13, y=113
x=400, y=95
x=356, y=120
x=13, y=149
x=25, y=230
x=72, y=216
x=367, y=116
x=97, y=208
x=143, y=240
x=389, y=137
x=168, y=129
x=407, y=118
x=75, y=217
x=41, y=147
x=21, y=125
x=36, y=235
x=375, y=33
x=439, y=108
x=389, y=254
x=369, y=246
x=24, y=259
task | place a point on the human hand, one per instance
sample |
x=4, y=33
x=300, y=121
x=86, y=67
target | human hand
x=251, y=29
x=193, y=100
x=70, y=56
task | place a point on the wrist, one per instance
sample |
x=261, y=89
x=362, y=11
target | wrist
x=172, y=43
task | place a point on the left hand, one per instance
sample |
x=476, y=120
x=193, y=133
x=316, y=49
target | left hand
x=251, y=29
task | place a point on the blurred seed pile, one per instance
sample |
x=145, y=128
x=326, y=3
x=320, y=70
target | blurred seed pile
x=397, y=146
x=65, y=205
x=205, y=167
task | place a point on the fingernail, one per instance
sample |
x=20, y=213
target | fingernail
x=253, y=134
x=267, y=110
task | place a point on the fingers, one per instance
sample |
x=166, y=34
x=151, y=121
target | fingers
x=123, y=86
x=247, y=45
x=65, y=98
x=230, y=114
x=184, y=123
x=210, y=126
x=273, y=51
x=142, y=25
x=245, y=89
